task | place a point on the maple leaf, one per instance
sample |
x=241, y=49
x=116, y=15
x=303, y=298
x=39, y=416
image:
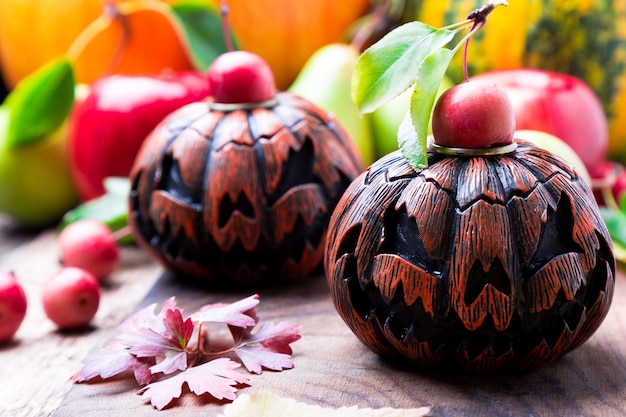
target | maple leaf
x=268, y=347
x=170, y=344
x=112, y=360
x=240, y=313
x=217, y=378
x=151, y=343
x=147, y=319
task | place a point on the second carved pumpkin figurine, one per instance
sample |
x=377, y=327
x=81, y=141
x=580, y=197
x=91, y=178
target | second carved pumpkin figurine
x=239, y=188
x=479, y=263
x=488, y=254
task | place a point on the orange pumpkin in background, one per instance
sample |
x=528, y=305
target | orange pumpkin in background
x=131, y=38
x=286, y=32
x=32, y=32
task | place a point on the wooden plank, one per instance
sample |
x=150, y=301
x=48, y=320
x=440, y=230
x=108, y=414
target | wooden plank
x=12, y=236
x=334, y=369
x=37, y=366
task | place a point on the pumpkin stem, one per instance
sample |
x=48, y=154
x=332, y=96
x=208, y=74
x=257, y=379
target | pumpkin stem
x=224, y=10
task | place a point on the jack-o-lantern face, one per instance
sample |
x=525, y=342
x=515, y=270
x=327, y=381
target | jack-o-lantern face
x=475, y=263
x=242, y=194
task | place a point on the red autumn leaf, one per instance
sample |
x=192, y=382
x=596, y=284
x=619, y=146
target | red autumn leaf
x=151, y=343
x=112, y=360
x=216, y=378
x=268, y=347
x=169, y=345
x=240, y=313
x=146, y=318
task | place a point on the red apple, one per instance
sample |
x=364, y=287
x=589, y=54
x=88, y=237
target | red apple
x=473, y=114
x=12, y=306
x=559, y=104
x=109, y=123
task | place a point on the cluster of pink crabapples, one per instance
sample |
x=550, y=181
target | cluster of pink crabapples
x=89, y=254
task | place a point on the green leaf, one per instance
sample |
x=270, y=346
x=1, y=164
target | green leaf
x=40, y=103
x=412, y=149
x=387, y=68
x=615, y=222
x=427, y=81
x=110, y=209
x=202, y=24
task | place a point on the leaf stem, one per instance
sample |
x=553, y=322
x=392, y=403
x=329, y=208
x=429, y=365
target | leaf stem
x=458, y=25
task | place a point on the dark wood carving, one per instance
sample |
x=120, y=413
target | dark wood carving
x=477, y=264
x=243, y=195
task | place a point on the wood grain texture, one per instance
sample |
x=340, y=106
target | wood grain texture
x=332, y=367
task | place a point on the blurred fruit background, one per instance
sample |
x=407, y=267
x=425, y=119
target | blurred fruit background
x=311, y=47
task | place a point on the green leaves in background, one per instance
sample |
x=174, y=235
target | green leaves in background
x=110, y=209
x=40, y=103
x=202, y=23
x=614, y=217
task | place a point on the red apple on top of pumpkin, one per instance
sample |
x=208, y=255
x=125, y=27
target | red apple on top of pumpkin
x=559, y=104
x=109, y=123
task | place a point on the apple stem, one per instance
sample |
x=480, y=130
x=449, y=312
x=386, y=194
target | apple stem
x=224, y=10
x=479, y=18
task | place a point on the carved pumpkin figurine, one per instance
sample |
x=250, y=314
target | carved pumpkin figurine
x=241, y=193
x=476, y=263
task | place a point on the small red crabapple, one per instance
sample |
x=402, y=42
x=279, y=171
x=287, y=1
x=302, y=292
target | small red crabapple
x=12, y=306
x=71, y=298
x=241, y=77
x=474, y=114
x=89, y=244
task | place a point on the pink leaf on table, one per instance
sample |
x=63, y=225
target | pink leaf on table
x=147, y=319
x=169, y=345
x=112, y=360
x=268, y=347
x=240, y=313
x=216, y=378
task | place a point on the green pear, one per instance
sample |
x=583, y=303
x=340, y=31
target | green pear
x=325, y=80
x=36, y=188
x=386, y=119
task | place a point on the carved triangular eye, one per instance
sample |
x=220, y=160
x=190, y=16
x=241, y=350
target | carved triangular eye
x=495, y=275
x=556, y=237
x=242, y=205
x=401, y=237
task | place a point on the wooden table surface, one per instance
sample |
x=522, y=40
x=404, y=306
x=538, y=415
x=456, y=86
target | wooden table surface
x=332, y=368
